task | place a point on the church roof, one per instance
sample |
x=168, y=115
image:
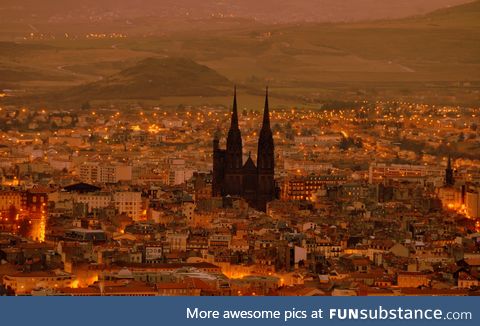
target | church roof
x=249, y=165
x=82, y=187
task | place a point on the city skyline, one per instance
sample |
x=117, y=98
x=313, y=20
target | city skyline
x=142, y=155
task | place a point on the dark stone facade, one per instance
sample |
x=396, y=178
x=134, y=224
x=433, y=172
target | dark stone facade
x=231, y=177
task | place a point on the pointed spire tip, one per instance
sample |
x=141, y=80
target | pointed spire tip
x=234, y=122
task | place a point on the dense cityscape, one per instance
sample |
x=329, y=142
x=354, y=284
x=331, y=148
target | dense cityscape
x=351, y=199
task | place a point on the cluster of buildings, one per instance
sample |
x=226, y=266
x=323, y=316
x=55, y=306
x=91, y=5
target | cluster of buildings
x=382, y=199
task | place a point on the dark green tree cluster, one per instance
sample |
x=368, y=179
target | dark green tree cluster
x=350, y=142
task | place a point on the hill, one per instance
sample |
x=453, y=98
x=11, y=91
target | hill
x=432, y=58
x=466, y=15
x=153, y=78
x=461, y=16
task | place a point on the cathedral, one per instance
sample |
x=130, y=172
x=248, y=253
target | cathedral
x=232, y=177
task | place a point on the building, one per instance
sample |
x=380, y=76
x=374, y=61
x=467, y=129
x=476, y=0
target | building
x=177, y=241
x=466, y=281
x=379, y=172
x=105, y=172
x=35, y=200
x=94, y=200
x=202, y=186
x=231, y=177
x=80, y=234
x=303, y=187
x=472, y=203
x=449, y=180
x=178, y=172
x=451, y=197
x=9, y=199
x=24, y=282
x=129, y=202
x=413, y=279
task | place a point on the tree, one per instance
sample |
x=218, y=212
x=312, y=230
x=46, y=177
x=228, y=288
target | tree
x=25, y=228
x=348, y=142
x=344, y=143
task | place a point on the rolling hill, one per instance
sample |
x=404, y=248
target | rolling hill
x=153, y=78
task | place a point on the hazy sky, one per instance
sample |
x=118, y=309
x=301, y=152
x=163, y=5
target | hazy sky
x=269, y=10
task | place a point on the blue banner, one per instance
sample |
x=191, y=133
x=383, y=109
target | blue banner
x=263, y=311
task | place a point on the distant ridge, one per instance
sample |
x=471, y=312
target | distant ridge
x=467, y=15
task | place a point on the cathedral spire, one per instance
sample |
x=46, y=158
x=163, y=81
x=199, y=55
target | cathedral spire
x=266, y=112
x=234, y=123
x=265, y=161
x=234, y=152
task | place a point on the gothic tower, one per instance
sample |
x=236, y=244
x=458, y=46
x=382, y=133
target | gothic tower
x=234, y=155
x=265, y=161
x=449, y=180
x=255, y=184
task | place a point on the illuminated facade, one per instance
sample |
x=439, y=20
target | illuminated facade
x=24, y=283
x=472, y=203
x=104, y=173
x=303, y=188
x=379, y=172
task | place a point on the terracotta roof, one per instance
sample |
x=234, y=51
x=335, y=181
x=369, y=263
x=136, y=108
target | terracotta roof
x=361, y=262
x=473, y=261
x=37, y=189
x=36, y=274
x=112, y=288
x=430, y=292
x=466, y=277
x=188, y=283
